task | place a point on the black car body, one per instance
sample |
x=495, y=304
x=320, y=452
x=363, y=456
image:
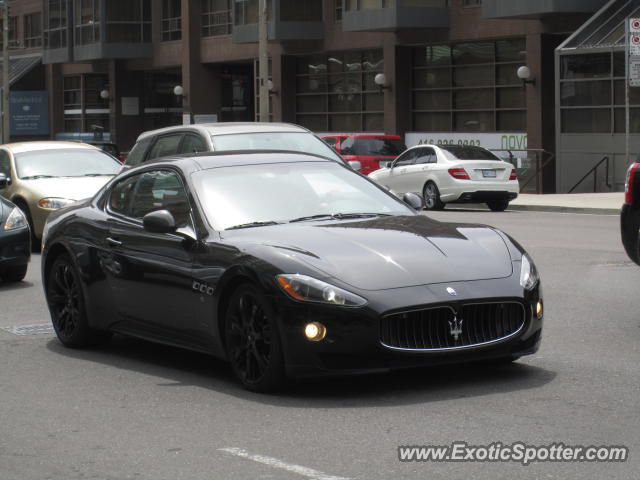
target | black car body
x=15, y=242
x=341, y=293
x=630, y=214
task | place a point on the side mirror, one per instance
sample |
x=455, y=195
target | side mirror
x=160, y=221
x=4, y=181
x=356, y=165
x=413, y=200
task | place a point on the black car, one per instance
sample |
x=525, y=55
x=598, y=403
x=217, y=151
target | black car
x=630, y=214
x=285, y=264
x=15, y=242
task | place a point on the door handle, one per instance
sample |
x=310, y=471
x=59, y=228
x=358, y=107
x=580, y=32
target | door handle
x=113, y=242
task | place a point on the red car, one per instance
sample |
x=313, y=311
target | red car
x=369, y=150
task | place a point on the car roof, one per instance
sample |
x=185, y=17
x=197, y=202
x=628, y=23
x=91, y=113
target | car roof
x=363, y=135
x=231, y=158
x=227, y=128
x=20, y=147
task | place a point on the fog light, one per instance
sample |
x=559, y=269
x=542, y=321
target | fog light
x=539, y=309
x=315, y=331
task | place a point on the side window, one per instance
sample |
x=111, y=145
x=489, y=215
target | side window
x=122, y=194
x=162, y=190
x=425, y=155
x=406, y=158
x=5, y=164
x=136, y=155
x=165, y=146
x=346, y=146
x=193, y=144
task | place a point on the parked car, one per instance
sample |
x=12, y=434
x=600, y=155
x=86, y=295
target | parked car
x=40, y=177
x=285, y=264
x=451, y=174
x=630, y=213
x=97, y=139
x=226, y=136
x=15, y=242
x=372, y=151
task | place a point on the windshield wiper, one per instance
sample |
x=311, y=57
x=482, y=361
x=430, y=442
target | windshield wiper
x=338, y=216
x=35, y=177
x=253, y=224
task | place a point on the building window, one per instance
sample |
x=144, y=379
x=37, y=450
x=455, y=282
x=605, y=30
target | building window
x=245, y=12
x=171, y=20
x=337, y=11
x=471, y=3
x=469, y=87
x=33, y=30
x=87, y=21
x=128, y=22
x=592, y=94
x=13, y=33
x=300, y=11
x=216, y=18
x=55, y=23
x=84, y=109
x=337, y=92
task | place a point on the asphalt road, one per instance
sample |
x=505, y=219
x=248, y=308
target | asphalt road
x=134, y=410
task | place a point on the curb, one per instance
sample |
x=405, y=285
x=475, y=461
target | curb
x=561, y=209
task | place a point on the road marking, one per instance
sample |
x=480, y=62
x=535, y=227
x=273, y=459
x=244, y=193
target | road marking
x=275, y=463
x=34, y=329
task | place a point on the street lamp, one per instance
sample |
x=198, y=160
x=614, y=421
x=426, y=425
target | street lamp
x=380, y=79
x=524, y=74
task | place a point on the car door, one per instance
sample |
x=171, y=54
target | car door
x=395, y=179
x=415, y=175
x=152, y=273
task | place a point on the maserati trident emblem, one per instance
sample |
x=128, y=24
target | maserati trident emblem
x=451, y=291
x=455, y=327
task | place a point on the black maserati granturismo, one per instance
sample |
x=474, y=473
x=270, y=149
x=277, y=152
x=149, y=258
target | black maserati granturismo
x=287, y=265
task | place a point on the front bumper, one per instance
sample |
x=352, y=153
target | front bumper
x=353, y=343
x=15, y=248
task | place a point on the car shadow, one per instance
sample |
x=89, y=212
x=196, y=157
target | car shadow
x=177, y=368
x=11, y=286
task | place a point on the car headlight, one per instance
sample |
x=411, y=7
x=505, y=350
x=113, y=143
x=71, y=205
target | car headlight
x=308, y=289
x=54, y=203
x=528, y=273
x=16, y=219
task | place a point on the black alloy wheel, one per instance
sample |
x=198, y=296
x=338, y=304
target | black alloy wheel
x=252, y=341
x=431, y=196
x=66, y=304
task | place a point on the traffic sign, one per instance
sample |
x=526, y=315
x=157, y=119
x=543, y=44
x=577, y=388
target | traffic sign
x=634, y=25
x=634, y=44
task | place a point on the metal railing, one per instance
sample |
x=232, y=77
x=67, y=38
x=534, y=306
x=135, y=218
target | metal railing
x=529, y=175
x=594, y=171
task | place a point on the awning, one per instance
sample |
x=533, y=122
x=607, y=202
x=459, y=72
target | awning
x=19, y=66
x=606, y=28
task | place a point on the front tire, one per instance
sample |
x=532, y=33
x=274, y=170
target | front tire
x=498, y=205
x=14, y=274
x=252, y=341
x=67, y=306
x=431, y=196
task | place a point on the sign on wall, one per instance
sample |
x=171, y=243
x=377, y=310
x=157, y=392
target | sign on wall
x=29, y=113
x=491, y=141
x=634, y=52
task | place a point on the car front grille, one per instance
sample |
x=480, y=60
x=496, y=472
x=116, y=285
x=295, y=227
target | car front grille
x=443, y=328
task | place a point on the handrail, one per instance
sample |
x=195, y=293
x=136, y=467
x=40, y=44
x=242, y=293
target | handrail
x=540, y=164
x=594, y=170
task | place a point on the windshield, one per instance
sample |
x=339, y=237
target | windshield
x=378, y=146
x=467, y=152
x=293, y=141
x=65, y=162
x=282, y=192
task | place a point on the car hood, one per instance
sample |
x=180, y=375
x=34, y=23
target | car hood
x=389, y=252
x=73, y=188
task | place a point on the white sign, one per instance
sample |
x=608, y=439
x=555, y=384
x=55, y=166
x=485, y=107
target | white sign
x=634, y=71
x=130, y=106
x=205, y=118
x=634, y=25
x=634, y=44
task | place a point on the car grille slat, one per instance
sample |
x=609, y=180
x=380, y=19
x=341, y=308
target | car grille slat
x=431, y=328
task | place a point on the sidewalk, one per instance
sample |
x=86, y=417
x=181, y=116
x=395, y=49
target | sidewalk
x=596, y=203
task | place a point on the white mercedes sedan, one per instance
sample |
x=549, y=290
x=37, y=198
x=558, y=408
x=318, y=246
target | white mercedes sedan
x=451, y=174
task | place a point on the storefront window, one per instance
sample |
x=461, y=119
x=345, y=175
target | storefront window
x=469, y=87
x=337, y=92
x=84, y=109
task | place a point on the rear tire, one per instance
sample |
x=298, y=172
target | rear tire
x=65, y=299
x=252, y=340
x=431, y=196
x=498, y=205
x=14, y=274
